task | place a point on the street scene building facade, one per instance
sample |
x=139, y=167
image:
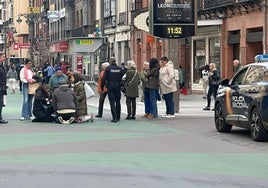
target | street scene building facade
x=85, y=33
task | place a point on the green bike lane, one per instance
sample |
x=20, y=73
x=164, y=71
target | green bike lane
x=141, y=144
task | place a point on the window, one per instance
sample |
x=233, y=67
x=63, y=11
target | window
x=138, y=4
x=255, y=74
x=238, y=79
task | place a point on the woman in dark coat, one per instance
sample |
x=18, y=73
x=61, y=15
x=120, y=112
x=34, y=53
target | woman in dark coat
x=132, y=80
x=42, y=108
x=79, y=90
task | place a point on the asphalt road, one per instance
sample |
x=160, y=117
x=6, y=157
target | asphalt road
x=185, y=151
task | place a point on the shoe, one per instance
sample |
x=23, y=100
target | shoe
x=170, y=116
x=212, y=109
x=3, y=121
x=22, y=118
x=128, y=117
x=206, y=108
x=150, y=116
x=164, y=116
x=132, y=117
x=145, y=115
x=71, y=120
x=98, y=116
x=204, y=97
x=61, y=120
x=31, y=118
x=114, y=121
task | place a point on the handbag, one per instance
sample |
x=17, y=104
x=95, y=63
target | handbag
x=89, y=91
x=32, y=87
x=125, y=84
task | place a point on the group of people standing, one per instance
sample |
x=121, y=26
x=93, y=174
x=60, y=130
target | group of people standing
x=156, y=76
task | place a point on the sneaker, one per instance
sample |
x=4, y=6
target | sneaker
x=164, y=116
x=31, y=118
x=170, y=116
x=22, y=118
x=61, y=120
x=71, y=120
x=206, y=108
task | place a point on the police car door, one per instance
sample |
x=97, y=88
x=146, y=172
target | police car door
x=236, y=94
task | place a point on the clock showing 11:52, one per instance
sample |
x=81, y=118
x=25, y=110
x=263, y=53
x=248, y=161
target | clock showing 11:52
x=175, y=30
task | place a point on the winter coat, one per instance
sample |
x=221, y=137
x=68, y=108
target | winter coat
x=167, y=79
x=40, y=100
x=3, y=80
x=80, y=93
x=152, y=78
x=12, y=73
x=64, y=98
x=132, y=86
x=100, y=89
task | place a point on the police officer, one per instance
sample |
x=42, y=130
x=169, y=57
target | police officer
x=112, y=80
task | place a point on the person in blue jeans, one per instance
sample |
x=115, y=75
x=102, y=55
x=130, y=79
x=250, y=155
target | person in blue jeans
x=26, y=76
x=151, y=89
x=167, y=85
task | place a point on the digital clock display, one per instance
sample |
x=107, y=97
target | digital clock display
x=171, y=31
x=173, y=11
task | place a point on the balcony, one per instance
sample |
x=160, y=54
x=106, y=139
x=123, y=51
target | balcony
x=219, y=8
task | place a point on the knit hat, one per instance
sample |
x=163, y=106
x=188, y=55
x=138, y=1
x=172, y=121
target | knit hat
x=58, y=69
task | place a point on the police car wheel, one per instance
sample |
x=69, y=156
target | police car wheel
x=257, y=131
x=219, y=119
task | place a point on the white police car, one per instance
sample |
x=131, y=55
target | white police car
x=243, y=101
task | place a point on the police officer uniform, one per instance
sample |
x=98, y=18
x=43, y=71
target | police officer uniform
x=112, y=80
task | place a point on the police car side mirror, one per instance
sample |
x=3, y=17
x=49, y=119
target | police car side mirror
x=225, y=82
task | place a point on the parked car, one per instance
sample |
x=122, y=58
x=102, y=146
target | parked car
x=243, y=101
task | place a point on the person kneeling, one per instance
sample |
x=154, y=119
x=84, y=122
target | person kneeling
x=65, y=103
x=42, y=108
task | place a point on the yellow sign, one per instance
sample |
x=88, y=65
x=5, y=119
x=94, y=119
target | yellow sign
x=84, y=42
x=34, y=10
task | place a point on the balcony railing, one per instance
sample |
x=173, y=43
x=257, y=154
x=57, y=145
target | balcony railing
x=210, y=4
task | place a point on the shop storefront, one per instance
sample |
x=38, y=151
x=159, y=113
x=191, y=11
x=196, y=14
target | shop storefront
x=59, y=53
x=206, y=49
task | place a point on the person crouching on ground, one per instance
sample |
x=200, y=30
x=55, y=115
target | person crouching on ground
x=42, y=108
x=65, y=103
x=79, y=90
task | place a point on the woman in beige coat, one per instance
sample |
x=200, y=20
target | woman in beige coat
x=167, y=85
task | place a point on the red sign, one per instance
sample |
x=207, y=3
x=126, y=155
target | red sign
x=64, y=46
x=79, y=63
x=16, y=46
x=24, y=46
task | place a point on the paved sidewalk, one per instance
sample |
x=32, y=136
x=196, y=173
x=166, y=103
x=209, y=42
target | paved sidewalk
x=190, y=105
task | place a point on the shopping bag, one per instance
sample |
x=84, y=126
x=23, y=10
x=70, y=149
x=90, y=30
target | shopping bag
x=32, y=87
x=89, y=92
x=184, y=91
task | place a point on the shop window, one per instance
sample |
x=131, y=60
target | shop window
x=215, y=52
x=199, y=58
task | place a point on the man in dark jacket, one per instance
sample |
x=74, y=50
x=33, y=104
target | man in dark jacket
x=64, y=102
x=112, y=79
x=3, y=86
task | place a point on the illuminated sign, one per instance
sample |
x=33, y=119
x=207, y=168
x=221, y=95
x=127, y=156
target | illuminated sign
x=172, y=18
x=173, y=11
x=84, y=42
